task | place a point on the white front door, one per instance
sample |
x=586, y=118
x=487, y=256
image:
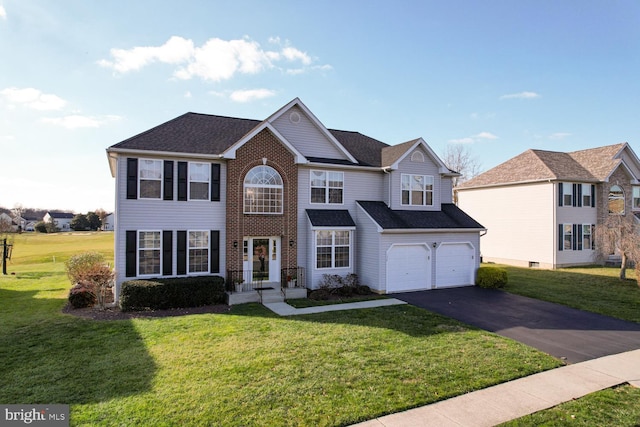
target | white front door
x=262, y=259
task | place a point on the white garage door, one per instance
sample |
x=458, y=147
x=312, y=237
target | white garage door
x=454, y=265
x=408, y=268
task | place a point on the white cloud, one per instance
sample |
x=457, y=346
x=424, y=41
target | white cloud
x=521, y=95
x=559, y=135
x=76, y=121
x=485, y=135
x=251, y=95
x=188, y=94
x=33, y=98
x=3, y=12
x=215, y=60
x=462, y=141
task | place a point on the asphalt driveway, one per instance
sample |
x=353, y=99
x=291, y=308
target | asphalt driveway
x=563, y=332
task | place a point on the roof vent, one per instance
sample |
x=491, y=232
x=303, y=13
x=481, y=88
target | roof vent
x=294, y=117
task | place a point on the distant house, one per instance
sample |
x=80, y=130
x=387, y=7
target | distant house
x=541, y=207
x=108, y=222
x=260, y=199
x=61, y=219
x=6, y=223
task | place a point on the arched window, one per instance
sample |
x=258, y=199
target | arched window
x=616, y=200
x=263, y=191
x=417, y=156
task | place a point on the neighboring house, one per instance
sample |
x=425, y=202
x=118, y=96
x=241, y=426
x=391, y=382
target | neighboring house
x=61, y=219
x=541, y=207
x=27, y=223
x=6, y=223
x=203, y=194
x=108, y=222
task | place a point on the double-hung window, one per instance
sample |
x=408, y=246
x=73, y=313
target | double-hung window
x=199, y=175
x=149, y=245
x=333, y=249
x=417, y=190
x=567, y=194
x=327, y=187
x=150, y=178
x=198, y=251
x=567, y=237
x=587, y=238
x=636, y=197
x=586, y=195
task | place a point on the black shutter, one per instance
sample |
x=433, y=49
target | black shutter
x=215, y=182
x=593, y=236
x=214, y=254
x=593, y=196
x=560, y=237
x=182, y=181
x=167, y=252
x=130, y=251
x=132, y=178
x=182, y=253
x=575, y=195
x=560, y=195
x=575, y=236
x=168, y=180
x=579, y=237
x=579, y=195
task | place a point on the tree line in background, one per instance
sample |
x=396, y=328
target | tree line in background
x=91, y=221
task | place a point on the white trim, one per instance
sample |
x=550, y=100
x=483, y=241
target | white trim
x=161, y=179
x=159, y=273
x=208, y=249
x=424, y=191
x=442, y=168
x=230, y=153
x=327, y=188
x=208, y=181
x=333, y=247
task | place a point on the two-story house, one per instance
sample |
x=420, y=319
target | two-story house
x=541, y=207
x=264, y=199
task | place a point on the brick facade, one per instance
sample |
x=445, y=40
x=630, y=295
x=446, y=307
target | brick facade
x=240, y=225
x=621, y=178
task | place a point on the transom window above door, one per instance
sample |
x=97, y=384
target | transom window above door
x=263, y=191
x=327, y=187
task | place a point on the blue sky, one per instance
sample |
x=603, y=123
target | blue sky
x=498, y=76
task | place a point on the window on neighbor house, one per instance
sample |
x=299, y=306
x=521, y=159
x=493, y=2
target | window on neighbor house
x=149, y=244
x=567, y=237
x=636, y=197
x=616, y=200
x=586, y=195
x=199, y=175
x=263, y=191
x=417, y=190
x=198, y=246
x=150, y=178
x=587, y=238
x=327, y=187
x=333, y=248
x=567, y=194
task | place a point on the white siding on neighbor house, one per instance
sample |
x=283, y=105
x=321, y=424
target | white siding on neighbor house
x=427, y=167
x=136, y=214
x=306, y=137
x=358, y=185
x=519, y=220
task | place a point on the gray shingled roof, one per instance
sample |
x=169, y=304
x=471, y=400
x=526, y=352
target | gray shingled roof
x=591, y=165
x=450, y=217
x=209, y=134
x=392, y=153
x=330, y=218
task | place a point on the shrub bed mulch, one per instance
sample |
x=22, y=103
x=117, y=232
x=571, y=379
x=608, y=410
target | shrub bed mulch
x=115, y=313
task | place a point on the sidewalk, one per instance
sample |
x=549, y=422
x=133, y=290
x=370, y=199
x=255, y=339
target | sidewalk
x=514, y=399
x=284, y=309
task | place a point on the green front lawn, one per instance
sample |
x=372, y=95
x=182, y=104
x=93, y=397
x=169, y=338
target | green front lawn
x=595, y=289
x=248, y=367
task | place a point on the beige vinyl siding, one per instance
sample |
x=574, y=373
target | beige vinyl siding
x=306, y=137
x=161, y=215
x=519, y=220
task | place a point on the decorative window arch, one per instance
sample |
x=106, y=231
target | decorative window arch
x=263, y=191
x=417, y=156
x=616, y=200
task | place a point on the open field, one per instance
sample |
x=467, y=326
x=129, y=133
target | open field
x=248, y=367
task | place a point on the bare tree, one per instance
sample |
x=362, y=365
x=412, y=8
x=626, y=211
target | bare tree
x=458, y=158
x=618, y=234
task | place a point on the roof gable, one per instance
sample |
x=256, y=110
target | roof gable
x=393, y=155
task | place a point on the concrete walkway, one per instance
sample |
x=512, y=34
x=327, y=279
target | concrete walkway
x=284, y=309
x=514, y=399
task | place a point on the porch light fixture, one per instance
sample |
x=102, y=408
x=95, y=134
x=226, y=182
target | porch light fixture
x=235, y=243
x=435, y=244
x=290, y=243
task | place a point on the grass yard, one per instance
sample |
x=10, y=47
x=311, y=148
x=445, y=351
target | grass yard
x=595, y=289
x=248, y=367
